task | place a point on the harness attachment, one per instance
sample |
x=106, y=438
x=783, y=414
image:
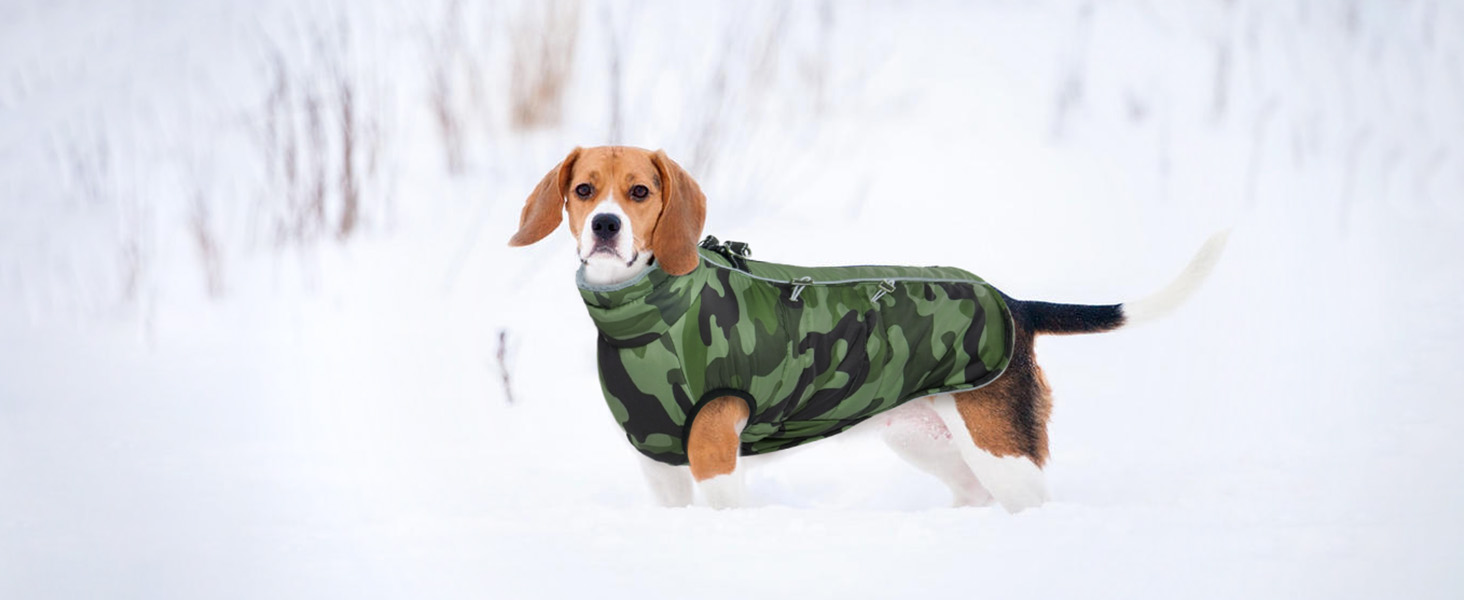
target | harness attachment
x=798, y=285
x=735, y=252
x=885, y=287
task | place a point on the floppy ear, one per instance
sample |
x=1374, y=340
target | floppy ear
x=683, y=211
x=545, y=207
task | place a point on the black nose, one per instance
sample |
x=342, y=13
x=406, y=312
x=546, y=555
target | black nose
x=605, y=226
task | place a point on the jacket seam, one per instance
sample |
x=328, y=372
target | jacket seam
x=845, y=281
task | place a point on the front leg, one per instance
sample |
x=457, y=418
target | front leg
x=712, y=449
x=670, y=484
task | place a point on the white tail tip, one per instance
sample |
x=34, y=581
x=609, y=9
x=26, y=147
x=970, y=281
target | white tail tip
x=1164, y=301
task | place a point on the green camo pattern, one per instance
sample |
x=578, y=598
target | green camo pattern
x=813, y=350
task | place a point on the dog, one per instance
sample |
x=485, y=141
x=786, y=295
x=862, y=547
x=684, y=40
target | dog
x=706, y=356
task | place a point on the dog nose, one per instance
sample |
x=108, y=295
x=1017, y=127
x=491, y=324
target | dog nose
x=605, y=226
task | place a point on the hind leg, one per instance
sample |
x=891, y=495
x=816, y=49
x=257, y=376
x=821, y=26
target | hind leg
x=991, y=442
x=916, y=434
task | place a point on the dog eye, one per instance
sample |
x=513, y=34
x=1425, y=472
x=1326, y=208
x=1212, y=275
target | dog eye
x=639, y=192
x=584, y=190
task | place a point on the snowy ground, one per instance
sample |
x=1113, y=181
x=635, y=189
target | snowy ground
x=326, y=419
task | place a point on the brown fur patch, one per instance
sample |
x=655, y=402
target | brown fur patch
x=714, y=443
x=680, y=224
x=544, y=208
x=1009, y=416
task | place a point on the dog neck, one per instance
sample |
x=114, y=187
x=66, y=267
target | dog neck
x=606, y=270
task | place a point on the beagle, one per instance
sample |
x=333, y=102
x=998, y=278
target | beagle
x=706, y=356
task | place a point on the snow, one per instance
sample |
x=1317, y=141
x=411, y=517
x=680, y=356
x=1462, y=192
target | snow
x=331, y=421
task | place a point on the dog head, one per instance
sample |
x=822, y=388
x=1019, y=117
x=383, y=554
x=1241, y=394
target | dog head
x=627, y=207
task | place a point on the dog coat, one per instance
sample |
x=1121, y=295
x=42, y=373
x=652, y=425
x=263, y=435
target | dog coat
x=812, y=350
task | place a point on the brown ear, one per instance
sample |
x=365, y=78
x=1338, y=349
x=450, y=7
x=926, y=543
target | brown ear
x=683, y=211
x=545, y=207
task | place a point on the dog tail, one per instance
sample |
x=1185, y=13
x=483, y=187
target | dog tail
x=1049, y=317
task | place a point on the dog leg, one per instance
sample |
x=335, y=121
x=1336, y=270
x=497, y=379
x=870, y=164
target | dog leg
x=1013, y=479
x=712, y=448
x=916, y=434
x=725, y=491
x=671, y=485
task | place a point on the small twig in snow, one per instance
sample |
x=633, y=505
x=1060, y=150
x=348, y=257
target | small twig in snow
x=503, y=370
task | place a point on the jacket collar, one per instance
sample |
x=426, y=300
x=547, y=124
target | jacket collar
x=636, y=312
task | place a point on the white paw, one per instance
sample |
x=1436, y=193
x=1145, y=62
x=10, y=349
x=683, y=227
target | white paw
x=1014, y=481
x=725, y=491
x=972, y=496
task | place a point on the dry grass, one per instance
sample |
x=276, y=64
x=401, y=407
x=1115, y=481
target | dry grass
x=543, y=48
x=455, y=79
x=349, y=183
x=135, y=242
x=200, y=228
x=95, y=179
x=319, y=142
x=449, y=120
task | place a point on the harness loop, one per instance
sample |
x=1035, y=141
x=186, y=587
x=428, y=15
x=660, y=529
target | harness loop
x=798, y=285
x=885, y=287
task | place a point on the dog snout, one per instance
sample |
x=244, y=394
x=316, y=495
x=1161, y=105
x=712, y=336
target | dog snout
x=605, y=226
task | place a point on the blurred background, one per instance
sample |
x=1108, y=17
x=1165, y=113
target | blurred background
x=261, y=336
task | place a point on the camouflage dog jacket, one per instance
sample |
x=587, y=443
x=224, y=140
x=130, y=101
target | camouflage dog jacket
x=812, y=350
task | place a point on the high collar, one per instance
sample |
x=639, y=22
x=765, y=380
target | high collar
x=635, y=312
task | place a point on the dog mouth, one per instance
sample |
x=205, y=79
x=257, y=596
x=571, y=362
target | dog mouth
x=607, y=251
